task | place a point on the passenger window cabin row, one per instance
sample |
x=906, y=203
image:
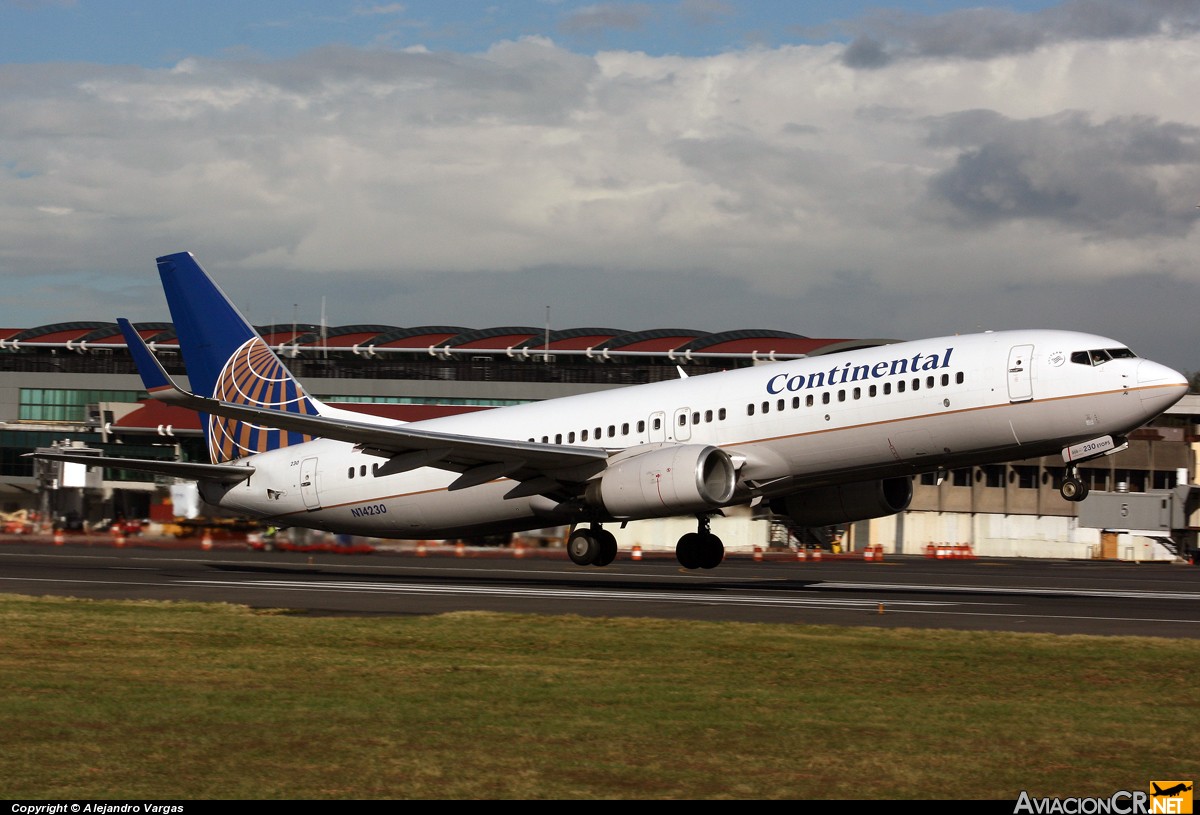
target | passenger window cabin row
x=655, y=423
x=826, y=397
x=613, y=431
x=858, y=392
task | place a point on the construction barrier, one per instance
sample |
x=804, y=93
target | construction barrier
x=949, y=551
x=636, y=552
x=873, y=553
x=758, y=555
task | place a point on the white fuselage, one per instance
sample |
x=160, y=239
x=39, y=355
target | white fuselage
x=880, y=412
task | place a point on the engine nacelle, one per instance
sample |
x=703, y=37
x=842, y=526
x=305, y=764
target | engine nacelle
x=673, y=480
x=831, y=506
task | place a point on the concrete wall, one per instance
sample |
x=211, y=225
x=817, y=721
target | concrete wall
x=909, y=533
x=998, y=535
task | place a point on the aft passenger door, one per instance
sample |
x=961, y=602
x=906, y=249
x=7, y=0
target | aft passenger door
x=308, y=483
x=1020, y=375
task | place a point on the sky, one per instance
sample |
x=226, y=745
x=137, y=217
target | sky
x=834, y=169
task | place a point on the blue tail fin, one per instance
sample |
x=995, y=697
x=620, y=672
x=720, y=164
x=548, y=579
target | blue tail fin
x=226, y=359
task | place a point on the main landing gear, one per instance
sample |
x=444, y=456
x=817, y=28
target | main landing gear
x=1073, y=488
x=700, y=549
x=592, y=546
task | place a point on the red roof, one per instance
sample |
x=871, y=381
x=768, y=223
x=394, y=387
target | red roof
x=153, y=414
x=350, y=340
x=66, y=335
x=498, y=342
x=420, y=341
x=573, y=343
x=662, y=344
x=780, y=345
x=659, y=341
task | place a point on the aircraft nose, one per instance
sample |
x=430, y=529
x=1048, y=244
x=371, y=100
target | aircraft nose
x=1159, y=385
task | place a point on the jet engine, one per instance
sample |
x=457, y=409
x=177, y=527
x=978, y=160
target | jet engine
x=830, y=506
x=672, y=480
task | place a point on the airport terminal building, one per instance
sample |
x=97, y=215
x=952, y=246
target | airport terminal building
x=75, y=384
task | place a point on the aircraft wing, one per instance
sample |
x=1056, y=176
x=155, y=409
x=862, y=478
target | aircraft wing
x=479, y=459
x=225, y=473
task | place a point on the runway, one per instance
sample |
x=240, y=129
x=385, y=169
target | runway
x=1063, y=597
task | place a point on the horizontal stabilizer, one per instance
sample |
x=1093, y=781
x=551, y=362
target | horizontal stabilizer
x=224, y=473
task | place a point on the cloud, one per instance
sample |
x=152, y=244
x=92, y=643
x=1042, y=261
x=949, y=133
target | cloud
x=596, y=19
x=1127, y=177
x=380, y=9
x=705, y=12
x=775, y=188
x=985, y=33
x=38, y=4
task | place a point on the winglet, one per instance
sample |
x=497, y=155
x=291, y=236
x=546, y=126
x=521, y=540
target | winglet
x=157, y=381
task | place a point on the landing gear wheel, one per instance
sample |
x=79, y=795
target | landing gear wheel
x=1073, y=489
x=687, y=551
x=583, y=547
x=607, y=548
x=592, y=547
x=711, y=551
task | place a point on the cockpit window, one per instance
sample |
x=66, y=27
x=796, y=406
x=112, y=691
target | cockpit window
x=1099, y=356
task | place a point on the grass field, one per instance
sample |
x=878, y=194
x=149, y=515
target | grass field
x=154, y=700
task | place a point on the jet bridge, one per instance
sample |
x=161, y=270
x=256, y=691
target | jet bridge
x=1171, y=517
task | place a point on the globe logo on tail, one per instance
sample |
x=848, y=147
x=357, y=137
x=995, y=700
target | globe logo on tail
x=254, y=376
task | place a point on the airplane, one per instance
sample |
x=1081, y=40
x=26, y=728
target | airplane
x=822, y=440
x=1170, y=792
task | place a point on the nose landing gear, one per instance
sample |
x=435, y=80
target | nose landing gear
x=1073, y=488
